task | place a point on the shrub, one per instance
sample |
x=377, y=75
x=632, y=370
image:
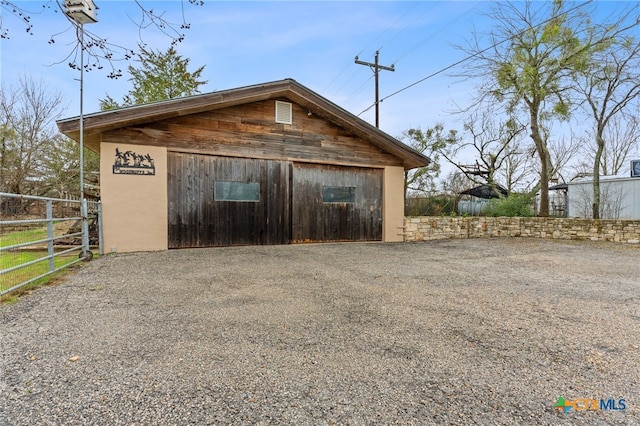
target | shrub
x=520, y=205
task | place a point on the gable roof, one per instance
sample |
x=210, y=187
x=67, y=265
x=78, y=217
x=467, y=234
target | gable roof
x=96, y=123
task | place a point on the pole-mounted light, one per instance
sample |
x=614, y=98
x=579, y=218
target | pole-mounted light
x=82, y=12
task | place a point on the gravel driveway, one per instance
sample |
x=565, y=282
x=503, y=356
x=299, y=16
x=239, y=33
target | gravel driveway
x=486, y=331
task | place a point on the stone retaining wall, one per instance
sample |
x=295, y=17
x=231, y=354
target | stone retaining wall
x=435, y=228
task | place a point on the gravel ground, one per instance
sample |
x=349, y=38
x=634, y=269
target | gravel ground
x=486, y=331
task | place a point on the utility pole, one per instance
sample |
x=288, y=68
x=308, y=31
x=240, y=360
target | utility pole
x=375, y=67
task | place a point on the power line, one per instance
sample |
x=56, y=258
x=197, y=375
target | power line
x=358, y=90
x=387, y=29
x=466, y=59
x=336, y=77
x=432, y=75
x=400, y=18
x=430, y=35
x=410, y=23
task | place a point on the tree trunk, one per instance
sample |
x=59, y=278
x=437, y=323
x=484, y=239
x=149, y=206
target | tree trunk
x=3, y=150
x=543, y=154
x=596, y=175
x=544, y=182
x=406, y=185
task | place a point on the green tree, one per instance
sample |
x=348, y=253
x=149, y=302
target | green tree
x=63, y=169
x=429, y=142
x=159, y=77
x=535, y=53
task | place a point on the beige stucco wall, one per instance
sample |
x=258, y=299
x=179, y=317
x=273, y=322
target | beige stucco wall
x=393, y=204
x=134, y=207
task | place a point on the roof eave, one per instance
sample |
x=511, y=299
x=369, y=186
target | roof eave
x=96, y=123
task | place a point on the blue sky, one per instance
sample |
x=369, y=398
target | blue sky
x=243, y=43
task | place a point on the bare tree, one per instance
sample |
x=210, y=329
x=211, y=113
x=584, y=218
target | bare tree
x=609, y=82
x=8, y=100
x=27, y=116
x=518, y=172
x=562, y=151
x=494, y=143
x=455, y=182
x=621, y=143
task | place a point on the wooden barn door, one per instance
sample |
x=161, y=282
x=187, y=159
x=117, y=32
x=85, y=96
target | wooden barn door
x=333, y=203
x=223, y=201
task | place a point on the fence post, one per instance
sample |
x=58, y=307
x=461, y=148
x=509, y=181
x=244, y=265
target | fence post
x=100, y=241
x=52, y=265
x=85, y=230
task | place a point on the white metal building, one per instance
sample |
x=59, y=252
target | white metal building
x=619, y=198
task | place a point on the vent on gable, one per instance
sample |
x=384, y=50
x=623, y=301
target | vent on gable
x=283, y=112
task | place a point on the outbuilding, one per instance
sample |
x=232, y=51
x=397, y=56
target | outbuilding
x=619, y=197
x=273, y=163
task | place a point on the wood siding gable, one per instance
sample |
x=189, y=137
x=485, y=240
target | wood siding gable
x=138, y=122
x=250, y=130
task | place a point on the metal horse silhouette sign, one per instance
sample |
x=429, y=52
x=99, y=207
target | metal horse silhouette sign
x=131, y=163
